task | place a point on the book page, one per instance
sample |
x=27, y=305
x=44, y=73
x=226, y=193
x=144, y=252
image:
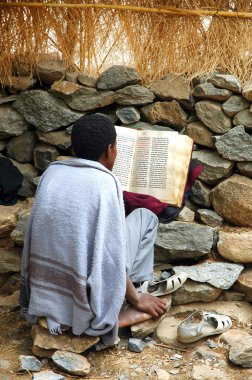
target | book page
x=160, y=165
x=126, y=140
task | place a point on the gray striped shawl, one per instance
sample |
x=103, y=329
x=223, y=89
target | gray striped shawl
x=73, y=267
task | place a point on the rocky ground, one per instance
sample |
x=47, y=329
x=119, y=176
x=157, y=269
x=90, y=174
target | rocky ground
x=205, y=359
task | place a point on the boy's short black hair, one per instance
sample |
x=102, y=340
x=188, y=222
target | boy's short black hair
x=91, y=136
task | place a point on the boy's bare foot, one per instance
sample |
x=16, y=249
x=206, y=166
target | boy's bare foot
x=150, y=304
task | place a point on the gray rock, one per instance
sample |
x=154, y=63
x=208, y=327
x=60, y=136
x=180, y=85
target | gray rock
x=136, y=345
x=70, y=362
x=206, y=354
x=111, y=114
x=241, y=352
x=230, y=200
x=243, y=118
x=215, y=167
x=21, y=148
x=236, y=245
x=200, y=194
x=220, y=275
x=178, y=241
x=117, y=77
x=47, y=375
x=88, y=99
x=10, y=260
x=192, y=291
x=128, y=115
x=245, y=168
x=61, y=139
x=247, y=90
x=212, y=115
x=44, y=111
x=227, y=81
x=49, y=71
x=29, y=363
x=18, y=233
x=44, y=344
x=208, y=91
x=72, y=76
x=8, y=220
x=210, y=217
x=87, y=80
x=43, y=155
x=170, y=113
x=173, y=87
x=63, y=89
x=235, y=145
x=199, y=79
x=233, y=336
x=12, y=123
x=200, y=134
x=135, y=95
x=234, y=105
x=149, y=127
x=29, y=172
x=186, y=215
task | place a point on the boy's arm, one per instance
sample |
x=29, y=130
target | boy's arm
x=144, y=302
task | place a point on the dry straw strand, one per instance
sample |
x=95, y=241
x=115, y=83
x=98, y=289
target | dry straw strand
x=156, y=37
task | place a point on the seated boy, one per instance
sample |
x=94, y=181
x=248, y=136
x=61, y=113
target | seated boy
x=80, y=255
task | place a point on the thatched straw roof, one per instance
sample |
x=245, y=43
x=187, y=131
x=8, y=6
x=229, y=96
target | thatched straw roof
x=194, y=38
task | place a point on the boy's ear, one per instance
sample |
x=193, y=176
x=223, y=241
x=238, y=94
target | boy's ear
x=109, y=151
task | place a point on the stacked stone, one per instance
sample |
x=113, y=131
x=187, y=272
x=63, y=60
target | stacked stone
x=214, y=226
x=11, y=242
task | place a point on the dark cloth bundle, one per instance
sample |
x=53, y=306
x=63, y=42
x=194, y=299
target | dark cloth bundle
x=166, y=213
x=10, y=182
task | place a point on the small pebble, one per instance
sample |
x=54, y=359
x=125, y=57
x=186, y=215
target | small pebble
x=210, y=343
x=29, y=363
x=47, y=375
x=136, y=345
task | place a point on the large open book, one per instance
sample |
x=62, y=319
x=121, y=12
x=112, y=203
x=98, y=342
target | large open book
x=153, y=162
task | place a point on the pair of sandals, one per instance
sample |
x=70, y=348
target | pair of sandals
x=200, y=323
x=163, y=287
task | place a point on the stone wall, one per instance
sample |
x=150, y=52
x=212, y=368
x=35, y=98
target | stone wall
x=35, y=128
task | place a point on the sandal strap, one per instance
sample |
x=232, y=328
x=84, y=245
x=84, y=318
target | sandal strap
x=223, y=321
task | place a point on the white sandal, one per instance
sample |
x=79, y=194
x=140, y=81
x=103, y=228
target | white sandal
x=200, y=324
x=163, y=287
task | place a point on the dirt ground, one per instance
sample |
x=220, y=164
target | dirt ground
x=115, y=363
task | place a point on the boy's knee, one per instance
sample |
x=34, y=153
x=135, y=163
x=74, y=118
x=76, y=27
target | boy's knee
x=146, y=214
